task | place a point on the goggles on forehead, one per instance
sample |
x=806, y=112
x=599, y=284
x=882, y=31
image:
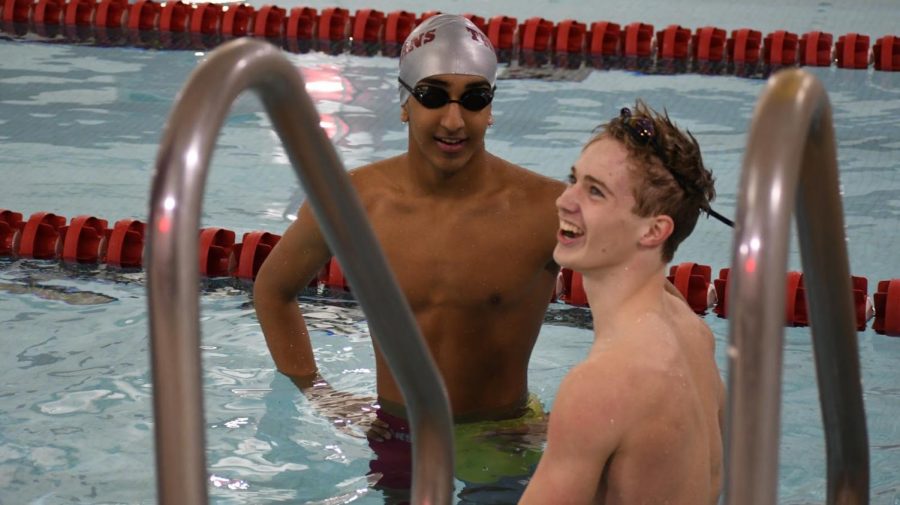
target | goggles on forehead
x=435, y=97
x=643, y=132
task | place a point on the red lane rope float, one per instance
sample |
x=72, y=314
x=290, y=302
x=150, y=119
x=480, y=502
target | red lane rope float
x=744, y=46
x=887, y=308
x=568, y=39
x=237, y=20
x=673, y=42
x=795, y=301
x=335, y=26
x=501, y=31
x=852, y=51
x=174, y=17
x=708, y=44
x=331, y=276
x=398, y=25
x=206, y=19
x=125, y=248
x=721, y=286
x=780, y=48
x=17, y=11
x=637, y=40
x=143, y=15
x=536, y=35
x=569, y=36
x=886, y=54
x=367, y=26
x=605, y=40
x=270, y=21
x=49, y=12
x=40, y=236
x=251, y=252
x=82, y=239
x=80, y=12
x=11, y=226
x=815, y=49
x=215, y=250
x=110, y=13
x=570, y=288
x=299, y=27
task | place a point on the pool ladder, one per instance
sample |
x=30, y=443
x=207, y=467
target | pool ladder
x=790, y=161
x=173, y=273
x=791, y=164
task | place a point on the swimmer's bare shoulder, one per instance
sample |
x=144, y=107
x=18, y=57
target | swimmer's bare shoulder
x=532, y=197
x=378, y=174
x=529, y=181
x=689, y=324
x=379, y=181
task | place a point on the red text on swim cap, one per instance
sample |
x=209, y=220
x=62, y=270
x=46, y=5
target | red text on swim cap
x=477, y=36
x=416, y=42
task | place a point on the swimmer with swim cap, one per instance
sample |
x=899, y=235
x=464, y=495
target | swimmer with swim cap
x=461, y=204
x=445, y=44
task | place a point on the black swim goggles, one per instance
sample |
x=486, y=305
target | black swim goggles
x=435, y=97
x=643, y=132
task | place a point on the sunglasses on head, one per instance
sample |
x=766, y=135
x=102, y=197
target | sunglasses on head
x=434, y=97
x=642, y=131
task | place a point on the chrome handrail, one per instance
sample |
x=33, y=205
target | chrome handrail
x=791, y=162
x=173, y=271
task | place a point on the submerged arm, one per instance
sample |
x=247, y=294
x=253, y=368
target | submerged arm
x=288, y=269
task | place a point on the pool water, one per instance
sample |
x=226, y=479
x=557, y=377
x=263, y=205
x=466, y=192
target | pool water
x=80, y=127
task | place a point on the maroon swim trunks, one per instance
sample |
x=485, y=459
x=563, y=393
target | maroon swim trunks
x=393, y=457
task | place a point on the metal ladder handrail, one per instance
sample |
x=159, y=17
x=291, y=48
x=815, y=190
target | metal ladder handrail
x=791, y=154
x=173, y=271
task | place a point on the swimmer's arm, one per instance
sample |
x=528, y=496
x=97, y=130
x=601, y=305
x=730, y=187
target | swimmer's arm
x=288, y=269
x=577, y=451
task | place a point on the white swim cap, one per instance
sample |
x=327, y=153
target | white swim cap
x=446, y=44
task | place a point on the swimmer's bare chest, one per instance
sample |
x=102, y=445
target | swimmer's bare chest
x=471, y=257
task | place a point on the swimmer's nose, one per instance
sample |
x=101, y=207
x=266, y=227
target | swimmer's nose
x=452, y=119
x=565, y=203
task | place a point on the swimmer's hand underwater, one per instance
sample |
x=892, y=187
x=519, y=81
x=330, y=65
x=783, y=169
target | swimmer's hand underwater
x=351, y=414
x=379, y=431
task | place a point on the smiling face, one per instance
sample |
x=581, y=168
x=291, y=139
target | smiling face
x=598, y=226
x=448, y=137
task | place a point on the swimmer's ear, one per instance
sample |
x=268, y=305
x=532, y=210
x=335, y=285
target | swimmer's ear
x=658, y=230
x=404, y=114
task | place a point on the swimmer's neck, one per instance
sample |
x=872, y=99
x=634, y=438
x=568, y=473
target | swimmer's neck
x=493, y=414
x=473, y=178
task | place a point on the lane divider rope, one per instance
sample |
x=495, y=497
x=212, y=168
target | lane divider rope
x=536, y=41
x=90, y=240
